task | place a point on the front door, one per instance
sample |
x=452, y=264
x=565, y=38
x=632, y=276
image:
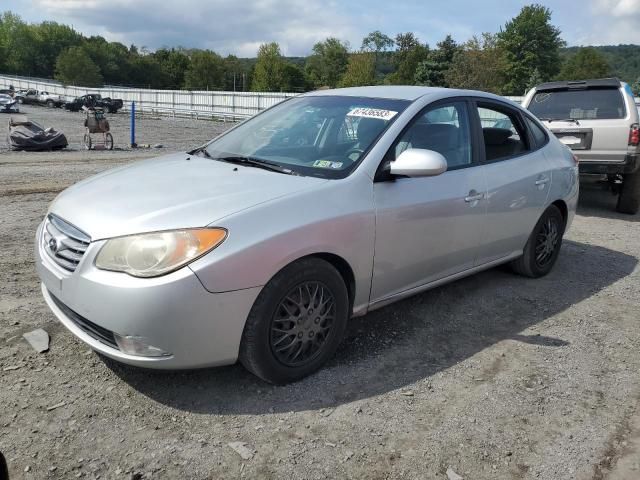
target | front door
x=427, y=228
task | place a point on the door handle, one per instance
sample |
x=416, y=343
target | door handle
x=542, y=180
x=473, y=197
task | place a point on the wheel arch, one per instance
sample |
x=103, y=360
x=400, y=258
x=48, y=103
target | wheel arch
x=564, y=210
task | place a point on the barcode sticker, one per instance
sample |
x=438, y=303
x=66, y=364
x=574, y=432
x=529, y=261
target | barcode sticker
x=372, y=113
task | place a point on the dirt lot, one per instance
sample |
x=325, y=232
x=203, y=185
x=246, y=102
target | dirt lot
x=495, y=376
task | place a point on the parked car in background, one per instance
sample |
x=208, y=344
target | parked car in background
x=93, y=100
x=260, y=245
x=599, y=121
x=8, y=104
x=40, y=97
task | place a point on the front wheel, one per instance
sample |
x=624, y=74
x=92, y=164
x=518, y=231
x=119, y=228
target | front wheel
x=629, y=196
x=50, y=103
x=542, y=249
x=296, y=323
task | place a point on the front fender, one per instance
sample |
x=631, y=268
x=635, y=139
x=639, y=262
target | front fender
x=337, y=218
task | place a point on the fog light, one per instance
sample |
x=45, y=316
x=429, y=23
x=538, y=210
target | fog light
x=133, y=345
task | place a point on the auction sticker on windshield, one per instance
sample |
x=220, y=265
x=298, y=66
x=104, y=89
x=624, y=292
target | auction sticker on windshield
x=327, y=164
x=372, y=113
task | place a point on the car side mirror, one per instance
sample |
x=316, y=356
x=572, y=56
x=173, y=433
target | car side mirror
x=417, y=162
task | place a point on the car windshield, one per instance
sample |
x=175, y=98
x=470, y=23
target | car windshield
x=590, y=104
x=323, y=136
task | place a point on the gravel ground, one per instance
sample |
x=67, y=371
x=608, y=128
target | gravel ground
x=494, y=376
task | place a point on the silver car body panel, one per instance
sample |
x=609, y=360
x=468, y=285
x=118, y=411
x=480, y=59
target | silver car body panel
x=396, y=238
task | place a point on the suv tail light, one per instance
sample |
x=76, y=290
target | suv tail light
x=634, y=135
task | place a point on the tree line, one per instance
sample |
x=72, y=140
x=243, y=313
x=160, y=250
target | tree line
x=525, y=51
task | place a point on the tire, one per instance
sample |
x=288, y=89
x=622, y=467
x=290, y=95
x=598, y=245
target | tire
x=541, y=239
x=51, y=103
x=108, y=141
x=87, y=141
x=629, y=196
x=280, y=333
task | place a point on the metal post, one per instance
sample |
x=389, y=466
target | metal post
x=133, y=125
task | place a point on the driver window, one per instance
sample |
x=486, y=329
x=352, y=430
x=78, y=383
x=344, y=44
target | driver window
x=444, y=129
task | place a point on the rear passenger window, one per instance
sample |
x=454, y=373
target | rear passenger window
x=444, y=129
x=538, y=134
x=502, y=134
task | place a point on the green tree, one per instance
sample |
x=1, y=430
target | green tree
x=294, y=78
x=433, y=70
x=205, y=71
x=75, y=67
x=113, y=58
x=408, y=55
x=173, y=64
x=51, y=39
x=479, y=65
x=636, y=87
x=19, y=44
x=587, y=63
x=376, y=42
x=531, y=43
x=328, y=63
x=145, y=71
x=361, y=70
x=268, y=74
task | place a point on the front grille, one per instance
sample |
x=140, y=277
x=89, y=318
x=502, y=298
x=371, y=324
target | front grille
x=64, y=243
x=95, y=331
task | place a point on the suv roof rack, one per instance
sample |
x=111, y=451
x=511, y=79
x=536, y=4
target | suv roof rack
x=580, y=84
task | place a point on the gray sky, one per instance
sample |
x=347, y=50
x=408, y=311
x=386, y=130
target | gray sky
x=240, y=26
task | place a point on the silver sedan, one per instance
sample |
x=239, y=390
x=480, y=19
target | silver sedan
x=260, y=245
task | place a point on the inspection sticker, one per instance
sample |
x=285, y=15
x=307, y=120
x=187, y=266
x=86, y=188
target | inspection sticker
x=372, y=113
x=327, y=164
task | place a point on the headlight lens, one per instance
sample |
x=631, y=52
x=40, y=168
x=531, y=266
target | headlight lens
x=155, y=254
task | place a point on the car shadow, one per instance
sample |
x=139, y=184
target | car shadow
x=597, y=200
x=411, y=340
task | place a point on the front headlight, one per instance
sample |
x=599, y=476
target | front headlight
x=155, y=254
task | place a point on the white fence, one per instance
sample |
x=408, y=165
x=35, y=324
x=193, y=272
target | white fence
x=219, y=105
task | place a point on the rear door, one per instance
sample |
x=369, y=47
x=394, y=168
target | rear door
x=518, y=177
x=593, y=121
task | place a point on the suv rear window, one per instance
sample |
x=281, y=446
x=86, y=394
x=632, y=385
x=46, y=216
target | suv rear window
x=589, y=104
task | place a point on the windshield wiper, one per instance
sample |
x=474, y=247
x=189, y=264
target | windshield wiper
x=202, y=150
x=254, y=162
x=574, y=120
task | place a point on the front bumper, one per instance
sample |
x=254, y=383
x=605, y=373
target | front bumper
x=174, y=312
x=9, y=108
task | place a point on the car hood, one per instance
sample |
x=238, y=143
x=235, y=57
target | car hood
x=170, y=192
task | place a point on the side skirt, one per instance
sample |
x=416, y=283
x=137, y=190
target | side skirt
x=436, y=283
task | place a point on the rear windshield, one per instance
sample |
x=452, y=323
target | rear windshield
x=578, y=104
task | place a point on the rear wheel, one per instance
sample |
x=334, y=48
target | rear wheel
x=296, y=323
x=629, y=196
x=108, y=141
x=542, y=249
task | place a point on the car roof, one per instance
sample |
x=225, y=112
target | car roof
x=398, y=92
x=580, y=84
